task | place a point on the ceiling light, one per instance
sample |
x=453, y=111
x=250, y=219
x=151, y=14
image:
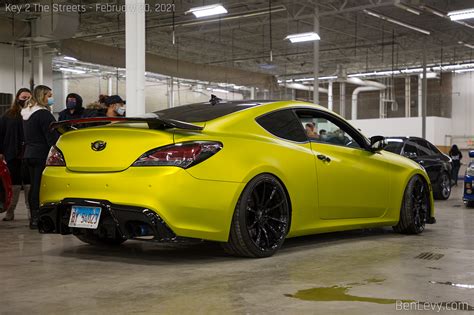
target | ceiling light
x=220, y=90
x=207, y=10
x=303, y=37
x=433, y=11
x=72, y=70
x=466, y=44
x=463, y=70
x=388, y=19
x=407, y=8
x=461, y=14
x=70, y=58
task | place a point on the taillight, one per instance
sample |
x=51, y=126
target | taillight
x=55, y=157
x=183, y=155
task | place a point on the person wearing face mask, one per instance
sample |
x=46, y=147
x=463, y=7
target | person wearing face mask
x=74, y=109
x=11, y=149
x=39, y=138
x=115, y=106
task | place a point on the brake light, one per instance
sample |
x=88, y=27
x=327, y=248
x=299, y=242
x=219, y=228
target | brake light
x=183, y=155
x=55, y=157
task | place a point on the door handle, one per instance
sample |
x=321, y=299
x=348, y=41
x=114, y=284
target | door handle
x=324, y=158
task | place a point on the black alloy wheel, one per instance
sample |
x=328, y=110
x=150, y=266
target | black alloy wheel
x=443, y=190
x=261, y=219
x=415, y=207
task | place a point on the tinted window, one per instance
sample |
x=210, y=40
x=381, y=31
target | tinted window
x=202, y=112
x=423, y=147
x=410, y=150
x=283, y=124
x=434, y=149
x=325, y=129
x=394, y=145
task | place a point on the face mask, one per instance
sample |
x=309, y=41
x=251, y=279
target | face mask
x=120, y=111
x=324, y=137
x=50, y=101
x=71, y=104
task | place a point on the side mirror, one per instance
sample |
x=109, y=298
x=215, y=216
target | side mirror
x=471, y=153
x=377, y=143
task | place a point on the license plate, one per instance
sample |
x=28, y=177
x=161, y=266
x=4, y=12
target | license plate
x=84, y=217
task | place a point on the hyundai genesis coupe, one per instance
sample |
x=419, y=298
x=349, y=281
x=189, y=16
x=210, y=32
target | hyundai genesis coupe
x=248, y=174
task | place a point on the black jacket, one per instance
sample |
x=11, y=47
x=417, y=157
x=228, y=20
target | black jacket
x=11, y=137
x=66, y=114
x=38, y=136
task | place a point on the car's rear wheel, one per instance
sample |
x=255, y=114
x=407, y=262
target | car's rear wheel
x=261, y=219
x=94, y=238
x=442, y=189
x=415, y=207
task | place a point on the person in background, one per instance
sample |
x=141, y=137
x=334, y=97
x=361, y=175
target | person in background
x=323, y=134
x=74, y=109
x=311, y=131
x=11, y=149
x=39, y=138
x=115, y=106
x=456, y=157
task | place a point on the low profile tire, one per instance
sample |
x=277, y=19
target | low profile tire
x=415, y=207
x=261, y=219
x=469, y=204
x=442, y=189
x=89, y=237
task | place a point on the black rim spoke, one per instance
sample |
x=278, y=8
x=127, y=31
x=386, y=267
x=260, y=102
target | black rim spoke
x=266, y=231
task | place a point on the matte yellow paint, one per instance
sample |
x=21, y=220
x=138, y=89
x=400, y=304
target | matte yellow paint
x=365, y=190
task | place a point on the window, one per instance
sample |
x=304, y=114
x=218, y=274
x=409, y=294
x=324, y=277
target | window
x=394, y=145
x=319, y=127
x=423, y=148
x=283, y=124
x=410, y=150
x=434, y=149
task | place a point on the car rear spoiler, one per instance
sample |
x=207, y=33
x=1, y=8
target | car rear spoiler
x=153, y=123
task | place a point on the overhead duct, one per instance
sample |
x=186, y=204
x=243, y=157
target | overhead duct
x=366, y=86
x=115, y=57
x=10, y=32
x=55, y=26
x=299, y=86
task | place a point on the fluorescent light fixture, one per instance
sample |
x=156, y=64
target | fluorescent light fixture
x=412, y=70
x=207, y=10
x=461, y=14
x=407, y=8
x=463, y=70
x=389, y=19
x=70, y=58
x=77, y=71
x=330, y=77
x=303, y=37
x=434, y=11
x=466, y=44
x=220, y=90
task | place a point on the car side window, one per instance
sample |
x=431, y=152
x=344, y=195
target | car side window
x=283, y=124
x=434, y=149
x=423, y=148
x=319, y=128
x=410, y=150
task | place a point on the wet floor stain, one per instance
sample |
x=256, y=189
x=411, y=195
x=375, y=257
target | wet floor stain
x=374, y=280
x=457, y=285
x=338, y=293
x=434, y=268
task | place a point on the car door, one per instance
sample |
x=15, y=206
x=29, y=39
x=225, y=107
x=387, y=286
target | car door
x=352, y=181
x=429, y=159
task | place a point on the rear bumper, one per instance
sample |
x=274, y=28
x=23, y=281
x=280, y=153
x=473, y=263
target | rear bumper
x=189, y=207
x=127, y=221
x=468, y=194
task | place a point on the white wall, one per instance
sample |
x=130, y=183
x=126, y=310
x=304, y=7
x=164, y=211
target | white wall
x=463, y=103
x=156, y=93
x=436, y=128
x=11, y=58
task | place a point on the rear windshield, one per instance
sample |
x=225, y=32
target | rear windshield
x=202, y=112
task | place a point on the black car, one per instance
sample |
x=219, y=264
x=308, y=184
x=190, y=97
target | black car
x=437, y=164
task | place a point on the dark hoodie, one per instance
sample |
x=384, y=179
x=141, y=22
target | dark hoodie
x=78, y=110
x=38, y=136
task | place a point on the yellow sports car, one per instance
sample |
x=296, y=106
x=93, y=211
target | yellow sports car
x=247, y=174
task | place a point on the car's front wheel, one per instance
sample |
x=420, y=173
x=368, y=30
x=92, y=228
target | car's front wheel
x=261, y=219
x=442, y=189
x=415, y=207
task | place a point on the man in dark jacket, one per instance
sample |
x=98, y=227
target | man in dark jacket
x=74, y=109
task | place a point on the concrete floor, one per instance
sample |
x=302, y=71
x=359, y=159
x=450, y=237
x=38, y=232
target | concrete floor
x=53, y=274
